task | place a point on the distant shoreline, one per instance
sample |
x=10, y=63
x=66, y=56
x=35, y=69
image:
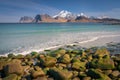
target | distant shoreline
x=62, y=23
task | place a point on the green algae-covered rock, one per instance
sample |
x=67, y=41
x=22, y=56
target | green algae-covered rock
x=89, y=51
x=37, y=68
x=102, y=52
x=61, y=65
x=30, y=62
x=75, y=59
x=83, y=53
x=76, y=78
x=97, y=74
x=75, y=73
x=60, y=51
x=60, y=74
x=79, y=66
x=86, y=78
x=75, y=52
x=46, y=70
x=11, y=77
x=56, y=55
x=19, y=56
x=41, y=78
x=39, y=73
x=82, y=75
x=28, y=56
x=118, y=67
x=11, y=55
x=48, y=61
x=13, y=68
x=89, y=58
x=102, y=63
x=34, y=54
x=65, y=59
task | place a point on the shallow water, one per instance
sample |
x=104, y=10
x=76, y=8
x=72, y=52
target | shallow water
x=19, y=38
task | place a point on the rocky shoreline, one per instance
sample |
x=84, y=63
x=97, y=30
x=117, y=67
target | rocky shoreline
x=67, y=63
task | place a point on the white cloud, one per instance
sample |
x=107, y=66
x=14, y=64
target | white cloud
x=113, y=13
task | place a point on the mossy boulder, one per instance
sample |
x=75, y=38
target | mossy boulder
x=76, y=59
x=76, y=78
x=28, y=56
x=37, y=68
x=75, y=52
x=81, y=66
x=13, y=68
x=11, y=55
x=60, y=51
x=102, y=64
x=19, y=56
x=41, y=78
x=39, y=73
x=86, y=78
x=82, y=75
x=30, y=62
x=11, y=77
x=65, y=59
x=75, y=73
x=118, y=67
x=34, y=54
x=60, y=74
x=46, y=70
x=89, y=58
x=97, y=74
x=48, y=61
x=61, y=65
x=83, y=53
x=56, y=55
x=102, y=52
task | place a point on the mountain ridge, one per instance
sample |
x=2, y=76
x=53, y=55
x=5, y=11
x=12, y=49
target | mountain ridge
x=66, y=16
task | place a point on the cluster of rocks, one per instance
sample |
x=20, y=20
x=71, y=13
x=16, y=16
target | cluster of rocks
x=62, y=64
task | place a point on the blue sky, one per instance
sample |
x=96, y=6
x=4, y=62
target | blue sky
x=12, y=10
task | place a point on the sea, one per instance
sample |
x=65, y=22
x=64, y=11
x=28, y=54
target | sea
x=23, y=38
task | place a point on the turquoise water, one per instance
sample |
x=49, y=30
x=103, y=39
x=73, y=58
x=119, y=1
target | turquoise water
x=17, y=38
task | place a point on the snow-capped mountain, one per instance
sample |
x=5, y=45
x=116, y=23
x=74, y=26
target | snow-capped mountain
x=82, y=14
x=103, y=17
x=65, y=14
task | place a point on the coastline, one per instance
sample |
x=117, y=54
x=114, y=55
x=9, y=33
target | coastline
x=64, y=63
x=94, y=42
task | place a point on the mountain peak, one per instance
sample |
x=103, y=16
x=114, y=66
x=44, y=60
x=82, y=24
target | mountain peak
x=82, y=14
x=64, y=14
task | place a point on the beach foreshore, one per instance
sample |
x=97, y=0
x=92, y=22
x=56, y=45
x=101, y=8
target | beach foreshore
x=95, y=41
x=70, y=62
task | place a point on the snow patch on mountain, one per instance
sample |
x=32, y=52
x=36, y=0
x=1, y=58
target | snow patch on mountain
x=82, y=14
x=65, y=14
